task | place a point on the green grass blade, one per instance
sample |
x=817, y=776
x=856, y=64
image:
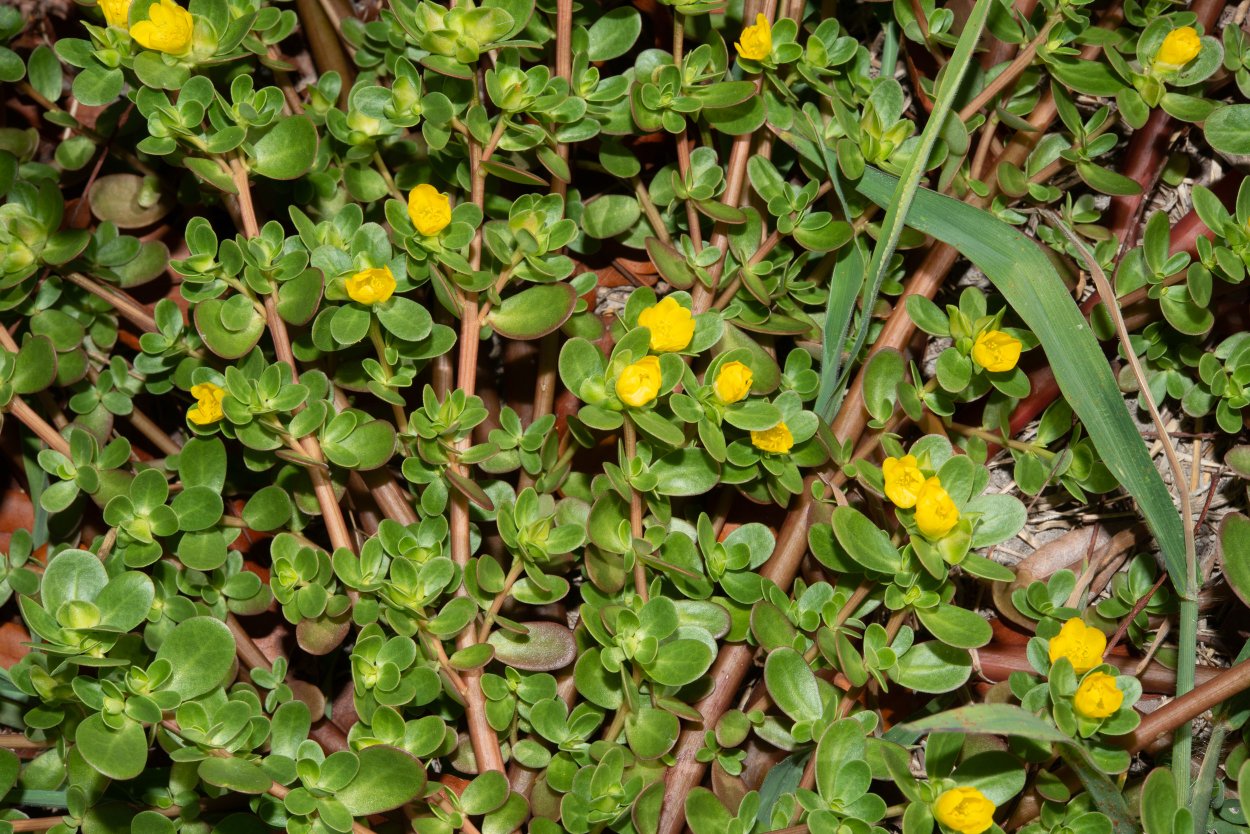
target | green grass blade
x=1028, y=281
x=833, y=381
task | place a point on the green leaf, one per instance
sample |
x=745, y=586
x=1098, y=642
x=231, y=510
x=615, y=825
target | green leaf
x=226, y=341
x=198, y=508
x=486, y=793
x=954, y=626
x=932, y=667
x=10, y=765
x=545, y=647
x=286, y=150
x=866, y=543
x=614, y=33
x=610, y=215
x=35, y=368
x=235, y=774
x=44, y=72
x=388, y=777
x=994, y=719
x=1028, y=281
x=72, y=575
x=269, y=508
x=201, y=651
x=1233, y=551
x=534, y=312
x=792, y=684
x=118, y=754
x=1228, y=129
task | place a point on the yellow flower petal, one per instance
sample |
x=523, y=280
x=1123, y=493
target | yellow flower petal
x=996, y=351
x=1082, y=645
x=429, y=209
x=208, y=408
x=168, y=29
x=965, y=810
x=756, y=42
x=116, y=12
x=733, y=382
x=1179, y=48
x=671, y=325
x=1098, y=696
x=936, y=513
x=903, y=480
x=371, y=286
x=639, y=383
x=778, y=440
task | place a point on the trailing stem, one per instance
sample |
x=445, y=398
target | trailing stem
x=323, y=487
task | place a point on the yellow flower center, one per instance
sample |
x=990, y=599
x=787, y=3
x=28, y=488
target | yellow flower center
x=733, y=382
x=208, y=406
x=429, y=209
x=996, y=351
x=1179, y=48
x=965, y=810
x=903, y=480
x=756, y=42
x=671, y=325
x=639, y=383
x=776, y=440
x=116, y=12
x=1082, y=645
x=936, y=513
x=371, y=286
x=1098, y=696
x=168, y=28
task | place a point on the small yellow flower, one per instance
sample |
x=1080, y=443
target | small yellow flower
x=167, y=29
x=371, y=286
x=936, y=513
x=996, y=351
x=1179, y=48
x=429, y=208
x=1082, y=645
x=639, y=383
x=671, y=325
x=208, y=409
x=757, y=41
x=903, y=480
x=776, y=440
x=965, y=810
x=733, y=382
x=1098, y=696
x=116, y=12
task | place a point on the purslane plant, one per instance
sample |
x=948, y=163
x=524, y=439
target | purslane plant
x=363, y=501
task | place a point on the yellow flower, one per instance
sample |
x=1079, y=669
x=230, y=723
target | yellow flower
x=1082, y=645
x=936, y=513
x=757, y=41
x=733, y=382
x=167, y=29
x=671, y=325
x=1098, y=696
x=777, y=440
x=1179, y=48
x=995, y=351
x=116, y=12
x=429, y=208
x=639, y=383
x=208, y=409
x=965, y=810
x=371, y=286
x=903, y=480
